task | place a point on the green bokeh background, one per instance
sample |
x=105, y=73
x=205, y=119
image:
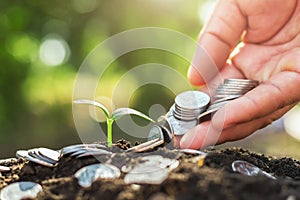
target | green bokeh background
x=36, y=99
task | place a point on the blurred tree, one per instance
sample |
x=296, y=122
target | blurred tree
x=35, y=97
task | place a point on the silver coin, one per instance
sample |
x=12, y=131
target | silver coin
x=231, y=90
x=49, y=153
x=206, y=115
x=72, y=148
x=246, y=81
x=35, y=154
x=248, y=169
x=146, y=175
x=24, y=154
x=99, y=152
x=157, y=161
x=181, y=127
x=225, y=99
x=192, y=100
x=185, y=114
x=155, y=132
x=167, y=129
x=181, y=112
x=79, y=152
x=173, y=165
x=217, y=105
x=236, y=86
x=192, y=151
x=152, y=159
x=185, y=117
x=21, y=190
x=240, y=81
x=230, y=93
x=89, y=174
x=225, y=96
x=4, y=168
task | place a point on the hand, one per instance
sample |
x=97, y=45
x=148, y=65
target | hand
x=269, y=52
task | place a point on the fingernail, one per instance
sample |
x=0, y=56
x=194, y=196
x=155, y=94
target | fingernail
x=183, y=141
x=188, y=138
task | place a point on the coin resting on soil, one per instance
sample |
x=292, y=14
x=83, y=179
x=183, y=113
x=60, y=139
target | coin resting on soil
x=248, y=169
x=152, y=169
x=88, y=174
x=20, y=190
x=42, y=156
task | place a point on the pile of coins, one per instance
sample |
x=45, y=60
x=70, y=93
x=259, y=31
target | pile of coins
x=190, y=104
x=226, y=92
x=85, y=150
x=42, y=156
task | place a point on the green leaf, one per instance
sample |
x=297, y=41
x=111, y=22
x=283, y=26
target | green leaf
x=93, y=103
x=118, y=113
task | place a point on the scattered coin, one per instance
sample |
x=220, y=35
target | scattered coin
x=89, y=174
x=248, y=169
x=46, y=158
x=192, y=151
x=173, y=165
x=157, y=160
x=152, y=161
x=98, y=152
x=4, y=168
x=24, y=154
x=146, y=146
x=44, y=154
x=20, y=190
x=146, y=175
x=83, y=148
x=49, y=153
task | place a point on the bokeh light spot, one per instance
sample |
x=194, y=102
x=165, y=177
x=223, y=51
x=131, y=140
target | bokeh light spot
x=23, y=47
x=54, y=51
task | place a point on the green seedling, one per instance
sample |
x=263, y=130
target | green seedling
x=117, y=114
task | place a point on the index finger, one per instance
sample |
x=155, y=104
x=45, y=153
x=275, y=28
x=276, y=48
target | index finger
x=217, y=38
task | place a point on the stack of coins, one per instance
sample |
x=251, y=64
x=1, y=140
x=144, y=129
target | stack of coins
x=191, y=108
x=226, y=92
x=189, y=105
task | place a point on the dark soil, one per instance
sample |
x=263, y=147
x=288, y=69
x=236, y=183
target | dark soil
x=191, y=180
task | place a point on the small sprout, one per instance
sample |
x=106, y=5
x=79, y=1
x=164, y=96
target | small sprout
x=117, y=114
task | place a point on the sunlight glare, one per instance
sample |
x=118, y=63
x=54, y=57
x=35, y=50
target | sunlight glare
x=54, y=51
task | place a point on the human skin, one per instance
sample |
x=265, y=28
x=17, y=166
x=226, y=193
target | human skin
x=269, y=52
